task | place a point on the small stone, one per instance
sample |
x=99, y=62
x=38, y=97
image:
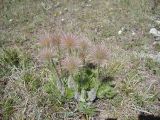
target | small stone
x=154, y=32
x=122, y=30
x=65, y=9
x=10, y=20
x=88, y=5
x=154, y=43
x=62, y=20
x=133, y=33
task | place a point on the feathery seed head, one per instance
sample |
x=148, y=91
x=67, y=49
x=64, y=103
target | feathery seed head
x=83, y=44
x=69, y=41
x=99, y=53
x=71, y=64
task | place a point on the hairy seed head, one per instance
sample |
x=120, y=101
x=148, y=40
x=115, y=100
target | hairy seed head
x=69, y=41
x=99, y=53
x=71, y=64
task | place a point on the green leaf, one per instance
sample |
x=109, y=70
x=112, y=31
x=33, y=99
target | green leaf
x=84, y=79
x=69, y=93
x=86, y=109
x=94, y=83
x=106, y=91
x=83, y=95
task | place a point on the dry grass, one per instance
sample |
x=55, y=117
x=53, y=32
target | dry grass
x=27, y=90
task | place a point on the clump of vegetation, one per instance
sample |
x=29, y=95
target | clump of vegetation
x=31, y=91
x=153, y=65
x=8, y=108
x=78, y=65
x=157, y=47
x=10, y=58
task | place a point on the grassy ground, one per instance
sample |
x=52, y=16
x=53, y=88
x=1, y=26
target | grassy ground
x=26, y=91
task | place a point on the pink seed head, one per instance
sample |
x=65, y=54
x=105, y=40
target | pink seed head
x=98, y=53
x=69, y=41
x=71, y=64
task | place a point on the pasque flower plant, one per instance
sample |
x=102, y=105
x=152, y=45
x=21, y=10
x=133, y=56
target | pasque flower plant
x=68, y=55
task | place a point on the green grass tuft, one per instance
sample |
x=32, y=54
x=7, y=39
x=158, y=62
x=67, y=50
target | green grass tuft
x=13, y=57
x=153, y=65
x=157, y=47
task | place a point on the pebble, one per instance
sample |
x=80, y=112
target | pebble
x=155, y=33
x=122, y=30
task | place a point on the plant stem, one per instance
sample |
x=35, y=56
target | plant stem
x=69, y=51
x=58, y=76
x=55, y=69
x=98, y=71
x=84, y=61
x=98, y=77
x=59, y=57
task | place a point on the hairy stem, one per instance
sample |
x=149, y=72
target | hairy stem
x=58, y=76
x=59, y=58
x=98, y=77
